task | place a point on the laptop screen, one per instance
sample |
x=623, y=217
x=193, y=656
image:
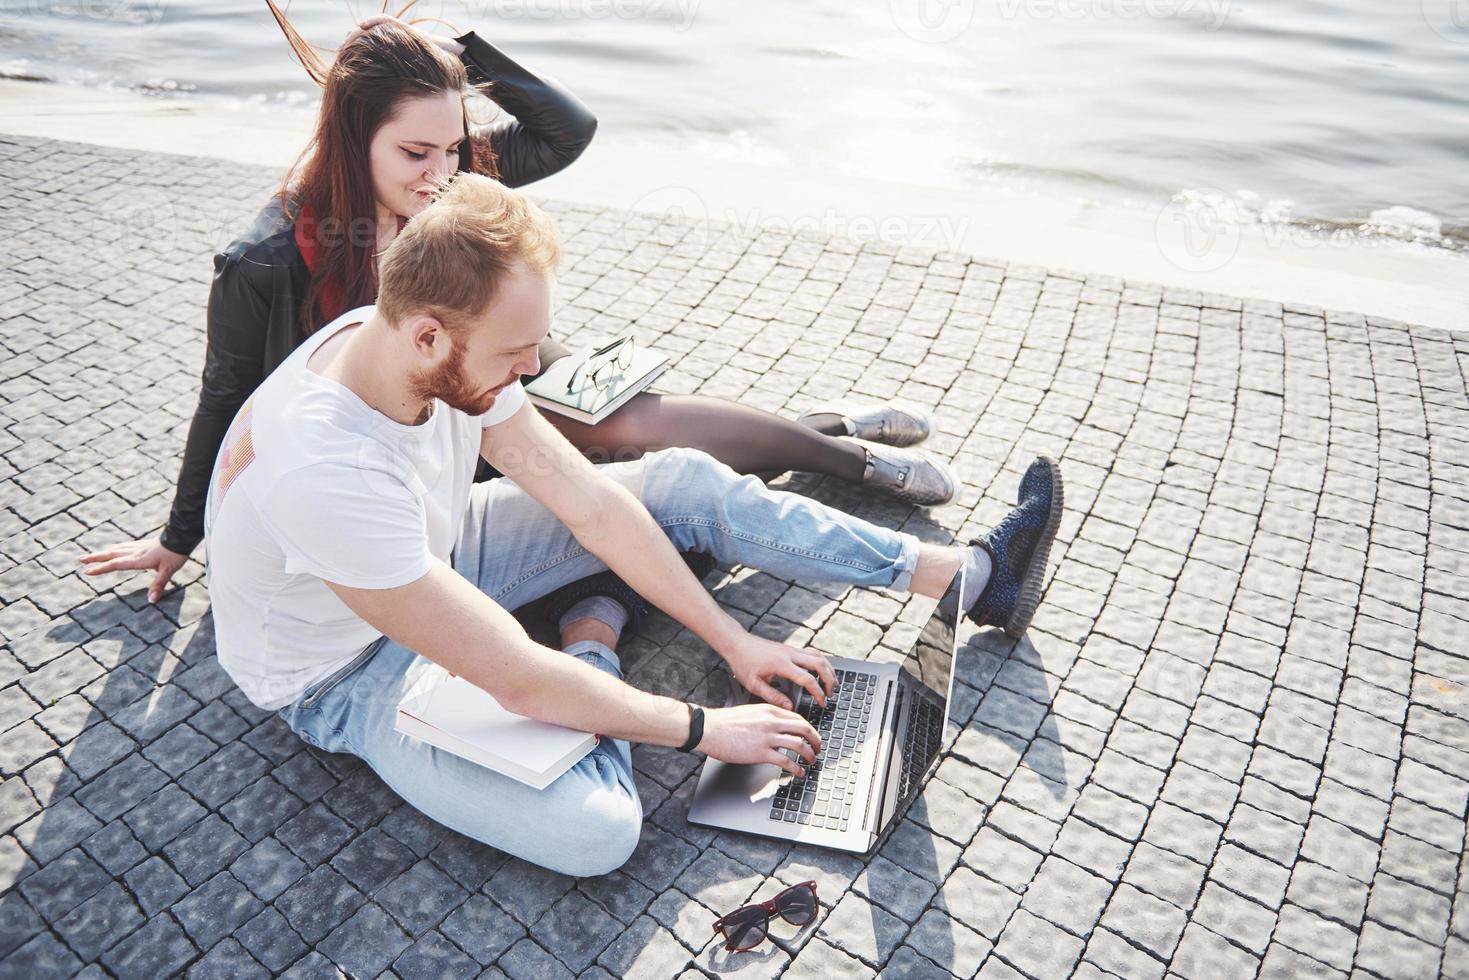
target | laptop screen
x=931, y=660
x=929, y=670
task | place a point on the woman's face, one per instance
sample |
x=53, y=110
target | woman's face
x=419, y=141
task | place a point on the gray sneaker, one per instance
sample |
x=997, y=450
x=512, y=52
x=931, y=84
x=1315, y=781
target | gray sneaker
x=910, y=474
x=891, y=423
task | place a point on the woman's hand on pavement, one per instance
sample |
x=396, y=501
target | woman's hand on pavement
x=147, y=554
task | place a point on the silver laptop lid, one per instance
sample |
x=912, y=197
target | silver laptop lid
x=931, y=660
x=927, y=673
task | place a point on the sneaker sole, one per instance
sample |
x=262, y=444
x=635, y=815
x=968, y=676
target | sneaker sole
x=1035, y=575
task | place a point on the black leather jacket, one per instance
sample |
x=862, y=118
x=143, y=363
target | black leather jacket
x=261, y=278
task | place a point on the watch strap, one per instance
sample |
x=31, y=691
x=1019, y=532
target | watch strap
x=696, y=729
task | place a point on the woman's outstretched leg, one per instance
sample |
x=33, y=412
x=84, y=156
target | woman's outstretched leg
x=749, y=440
x=745, y=439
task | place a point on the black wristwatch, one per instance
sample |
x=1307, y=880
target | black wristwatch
x=696, y=728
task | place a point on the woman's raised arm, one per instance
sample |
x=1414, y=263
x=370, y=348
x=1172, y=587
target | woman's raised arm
x=551, y=126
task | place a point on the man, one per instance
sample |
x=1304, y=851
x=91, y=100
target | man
x=345, y=483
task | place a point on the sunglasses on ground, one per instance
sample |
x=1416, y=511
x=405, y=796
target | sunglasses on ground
x=746, y=927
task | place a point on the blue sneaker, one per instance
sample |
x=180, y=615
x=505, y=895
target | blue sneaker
x=1018, y=548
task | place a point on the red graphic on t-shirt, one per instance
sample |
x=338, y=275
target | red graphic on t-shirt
x=237, y=453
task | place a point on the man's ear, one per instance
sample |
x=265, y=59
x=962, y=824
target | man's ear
x=428, y=336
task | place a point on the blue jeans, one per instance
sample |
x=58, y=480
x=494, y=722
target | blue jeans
x=587, y=822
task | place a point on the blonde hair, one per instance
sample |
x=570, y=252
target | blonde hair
x=450, y=259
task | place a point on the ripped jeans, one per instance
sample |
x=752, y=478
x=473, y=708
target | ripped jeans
x=588, y=821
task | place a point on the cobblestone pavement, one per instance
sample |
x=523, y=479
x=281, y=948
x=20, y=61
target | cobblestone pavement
x=1235, y=743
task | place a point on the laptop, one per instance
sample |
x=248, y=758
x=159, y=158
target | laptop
x=882, y=732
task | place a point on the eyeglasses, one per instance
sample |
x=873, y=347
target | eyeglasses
x=746, y=927
x=604, y=364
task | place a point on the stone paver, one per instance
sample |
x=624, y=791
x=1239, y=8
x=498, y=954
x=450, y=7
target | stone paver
x=1236, y=740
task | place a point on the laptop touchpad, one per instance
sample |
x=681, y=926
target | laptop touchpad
x=752, y=782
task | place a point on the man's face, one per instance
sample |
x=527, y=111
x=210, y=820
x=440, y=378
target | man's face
x=497, y=349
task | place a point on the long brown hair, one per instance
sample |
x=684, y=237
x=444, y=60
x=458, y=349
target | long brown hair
x=362, y=87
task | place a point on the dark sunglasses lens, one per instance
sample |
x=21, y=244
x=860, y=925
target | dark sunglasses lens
x=796, y=905
x=746, y=928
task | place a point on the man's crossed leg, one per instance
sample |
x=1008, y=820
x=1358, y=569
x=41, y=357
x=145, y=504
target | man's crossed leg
x=515, y=550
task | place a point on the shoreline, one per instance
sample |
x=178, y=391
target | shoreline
x=1170, y=246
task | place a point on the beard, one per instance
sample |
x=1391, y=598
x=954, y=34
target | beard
x=449, y=385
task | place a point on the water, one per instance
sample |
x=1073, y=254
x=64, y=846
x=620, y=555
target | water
x=1350, y=115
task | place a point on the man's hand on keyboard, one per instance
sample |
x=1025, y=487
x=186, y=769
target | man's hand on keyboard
x=756, y=733
x=756, y=662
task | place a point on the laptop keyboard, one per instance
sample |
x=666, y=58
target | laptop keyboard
x=824, y=797
x=925, y=737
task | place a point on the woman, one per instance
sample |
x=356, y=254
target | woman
x=393, y=112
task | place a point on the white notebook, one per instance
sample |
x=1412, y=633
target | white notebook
x=586, y=403
x=455, y=715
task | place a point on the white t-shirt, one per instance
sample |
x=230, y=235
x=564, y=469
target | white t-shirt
x=311, y=484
